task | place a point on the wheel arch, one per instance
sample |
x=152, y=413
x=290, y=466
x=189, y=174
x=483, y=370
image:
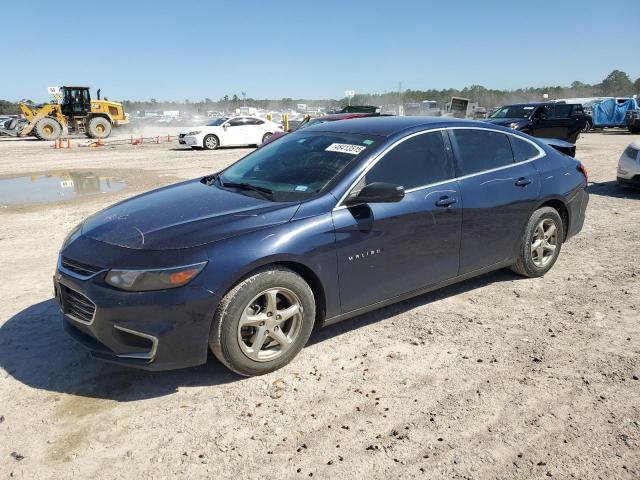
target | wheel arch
x=294, y=264
x=559, y=205
x=100, y=114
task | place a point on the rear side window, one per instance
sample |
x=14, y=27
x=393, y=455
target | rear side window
x=577, y=110
x=416, y=162
x=560, y=110
x=522, y=150
x=482, y=150
x=237, y=122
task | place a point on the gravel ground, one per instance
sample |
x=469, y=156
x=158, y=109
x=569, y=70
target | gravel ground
x=496, y=377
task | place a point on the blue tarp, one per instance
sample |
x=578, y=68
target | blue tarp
x=609, y=113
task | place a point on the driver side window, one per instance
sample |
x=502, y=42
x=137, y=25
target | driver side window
x=416, y=162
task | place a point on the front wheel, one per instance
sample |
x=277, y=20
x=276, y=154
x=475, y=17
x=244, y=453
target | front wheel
x=210, y=142
x=541, y=243
x=263, y=322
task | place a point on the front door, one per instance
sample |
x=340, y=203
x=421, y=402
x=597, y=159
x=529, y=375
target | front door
x=553, y=121
x=387, y=249
x=498, y=195
x=236, y=132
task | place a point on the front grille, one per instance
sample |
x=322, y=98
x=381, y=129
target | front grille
x=76, y=305
x=80, y=268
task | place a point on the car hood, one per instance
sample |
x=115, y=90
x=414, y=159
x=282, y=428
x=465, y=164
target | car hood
x=506, y=121
x=184, y=215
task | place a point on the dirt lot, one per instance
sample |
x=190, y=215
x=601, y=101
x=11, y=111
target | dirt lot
x=497, y=377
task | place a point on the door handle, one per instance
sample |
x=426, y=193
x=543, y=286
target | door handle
x=523, y=182
x=445, y=201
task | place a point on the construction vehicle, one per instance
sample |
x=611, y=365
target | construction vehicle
x=74, y=112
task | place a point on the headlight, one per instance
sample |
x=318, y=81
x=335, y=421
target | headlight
x=195, y=132
x=72, y=235
x=146, y=280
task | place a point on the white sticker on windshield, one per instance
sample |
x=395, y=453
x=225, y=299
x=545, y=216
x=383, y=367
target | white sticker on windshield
x=301, y=188
x=527, y=108
x=345, y=148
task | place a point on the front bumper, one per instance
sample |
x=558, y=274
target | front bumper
x=158, y=330
x=192, y=141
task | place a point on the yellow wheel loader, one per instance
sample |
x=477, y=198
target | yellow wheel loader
x=75, y=113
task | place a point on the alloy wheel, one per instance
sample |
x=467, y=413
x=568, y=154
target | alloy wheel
x=211, y=142
x=270, y=324
x=544, y=242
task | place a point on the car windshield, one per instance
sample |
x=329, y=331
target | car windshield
x=514, y=111
x=297, y=166
x=216, y=122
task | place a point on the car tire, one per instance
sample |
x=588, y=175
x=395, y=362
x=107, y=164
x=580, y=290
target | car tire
x=633, y=129
x=266, y=137
x=260, y=308
x=210, y=142
x=540, y=248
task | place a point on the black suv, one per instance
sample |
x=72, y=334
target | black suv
x=563, y=121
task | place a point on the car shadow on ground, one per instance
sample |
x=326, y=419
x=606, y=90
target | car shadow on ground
x=35, y=350
x=613, y=189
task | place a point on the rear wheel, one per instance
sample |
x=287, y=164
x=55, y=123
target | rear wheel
x=47, y=129
x=210, y=142
x=266, y=137
x=263, y=322
x=541, y=243
x=99, y=127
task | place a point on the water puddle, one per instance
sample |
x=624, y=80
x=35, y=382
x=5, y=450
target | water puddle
x=55, y=187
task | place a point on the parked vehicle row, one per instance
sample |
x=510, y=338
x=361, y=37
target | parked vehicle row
x=325, y=223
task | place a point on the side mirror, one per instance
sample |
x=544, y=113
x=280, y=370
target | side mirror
x=377, y=192
x=225, y=126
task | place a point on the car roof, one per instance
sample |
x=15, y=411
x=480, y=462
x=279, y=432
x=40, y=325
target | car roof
x=537, y=104
x=387, y=126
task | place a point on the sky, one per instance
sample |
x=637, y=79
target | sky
x=168, y=50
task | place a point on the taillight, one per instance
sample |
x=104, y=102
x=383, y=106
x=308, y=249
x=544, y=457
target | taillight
x=584, y=172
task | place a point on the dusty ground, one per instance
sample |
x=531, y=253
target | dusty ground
x=498, y=377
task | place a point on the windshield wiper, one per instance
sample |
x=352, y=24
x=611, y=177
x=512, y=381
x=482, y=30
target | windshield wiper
x=266, y=192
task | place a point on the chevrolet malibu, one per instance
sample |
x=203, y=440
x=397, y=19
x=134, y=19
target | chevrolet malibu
x=329, y=222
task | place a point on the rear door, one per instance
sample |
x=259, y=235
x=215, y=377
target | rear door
x=497, y=193
x=255, y=131
x=387, y=249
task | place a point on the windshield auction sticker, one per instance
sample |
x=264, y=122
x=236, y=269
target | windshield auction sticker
x=345, y=148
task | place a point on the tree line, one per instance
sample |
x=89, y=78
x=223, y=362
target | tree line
x=616, y=84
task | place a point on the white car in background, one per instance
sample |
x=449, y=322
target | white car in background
x=230, y=131
x=629, y=166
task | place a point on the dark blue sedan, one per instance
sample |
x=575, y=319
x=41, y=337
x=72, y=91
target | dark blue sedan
x=321, y=225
